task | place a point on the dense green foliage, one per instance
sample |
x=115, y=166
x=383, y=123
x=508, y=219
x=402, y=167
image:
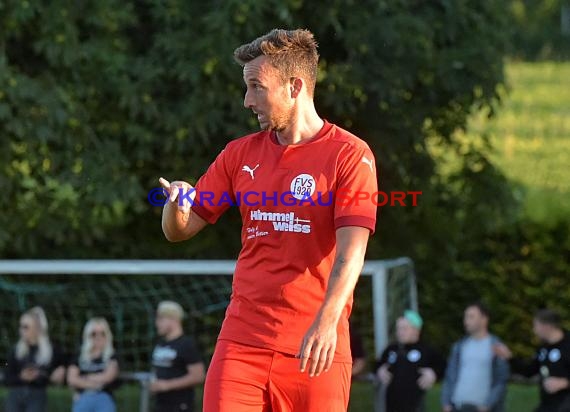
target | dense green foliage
x=99, y=99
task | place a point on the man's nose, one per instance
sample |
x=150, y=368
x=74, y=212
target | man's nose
x=247, y=100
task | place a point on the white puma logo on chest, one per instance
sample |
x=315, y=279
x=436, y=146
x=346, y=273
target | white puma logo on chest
x=249, y=170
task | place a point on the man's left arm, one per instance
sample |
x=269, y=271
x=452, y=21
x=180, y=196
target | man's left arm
x=319, y=344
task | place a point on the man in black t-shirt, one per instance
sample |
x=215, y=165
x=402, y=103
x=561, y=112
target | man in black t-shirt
x=176, y=362
x=408, y=367
x=551, y=362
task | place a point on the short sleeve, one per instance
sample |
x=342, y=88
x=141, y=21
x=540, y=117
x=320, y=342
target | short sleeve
x=214, y=190
x=357, y=189
x=190, y=353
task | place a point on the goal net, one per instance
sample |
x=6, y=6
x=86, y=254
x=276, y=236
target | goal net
x=126, y=293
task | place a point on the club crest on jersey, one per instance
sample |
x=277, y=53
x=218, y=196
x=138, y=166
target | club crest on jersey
x=554, y=355
x=303, y=186
x=414, y=355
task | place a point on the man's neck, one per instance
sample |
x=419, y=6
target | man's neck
x=482, y=334
x=305, y=125
x=174, y=334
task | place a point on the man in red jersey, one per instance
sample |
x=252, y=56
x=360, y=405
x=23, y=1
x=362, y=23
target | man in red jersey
x=284, y=343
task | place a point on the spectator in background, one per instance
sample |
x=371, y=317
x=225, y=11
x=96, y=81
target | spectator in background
x=476, y=379
x=551, y=363
x=176, y=362
x=357, y=351
x=408, y=367
x=94, y=373
x=32, y=365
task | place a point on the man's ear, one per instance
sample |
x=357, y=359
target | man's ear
x=295, y=85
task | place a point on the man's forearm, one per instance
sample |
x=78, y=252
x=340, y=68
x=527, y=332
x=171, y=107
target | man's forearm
x=349, y=259
x=343, y=278
x=187, y=381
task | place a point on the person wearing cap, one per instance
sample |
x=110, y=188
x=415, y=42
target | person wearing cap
x=176, y=362
x=409, y=367
x=476, y=378
x=551, y=362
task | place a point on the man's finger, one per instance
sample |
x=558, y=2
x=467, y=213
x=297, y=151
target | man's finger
x=164, y=183
x=330, y=358
x=185, y=208
x=305, y=354
x=174, y=192
x=317, y=360
x=322, y=362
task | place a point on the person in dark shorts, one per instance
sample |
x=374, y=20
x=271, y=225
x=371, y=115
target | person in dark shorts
x=176, y=362
x=408, y=367
x=94, y=374
x=32, y=365
x=551, y=362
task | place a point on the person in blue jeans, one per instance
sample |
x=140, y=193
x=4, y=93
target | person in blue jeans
x=476, y=378
x=94, y=374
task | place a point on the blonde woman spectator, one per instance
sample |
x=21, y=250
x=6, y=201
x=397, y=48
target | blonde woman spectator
x=32, y=365
x=94, y=374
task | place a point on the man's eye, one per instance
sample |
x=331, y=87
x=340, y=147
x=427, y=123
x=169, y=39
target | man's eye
x=257, y=87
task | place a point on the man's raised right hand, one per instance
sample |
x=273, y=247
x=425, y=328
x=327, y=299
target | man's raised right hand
x=180, y=193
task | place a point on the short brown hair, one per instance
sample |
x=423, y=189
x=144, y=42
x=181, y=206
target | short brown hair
x=292, y=52
x=549, y=317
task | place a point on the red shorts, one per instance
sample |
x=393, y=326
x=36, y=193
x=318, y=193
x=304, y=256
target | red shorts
x=244, y=378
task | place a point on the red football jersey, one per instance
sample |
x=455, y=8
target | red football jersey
x=291, y=199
